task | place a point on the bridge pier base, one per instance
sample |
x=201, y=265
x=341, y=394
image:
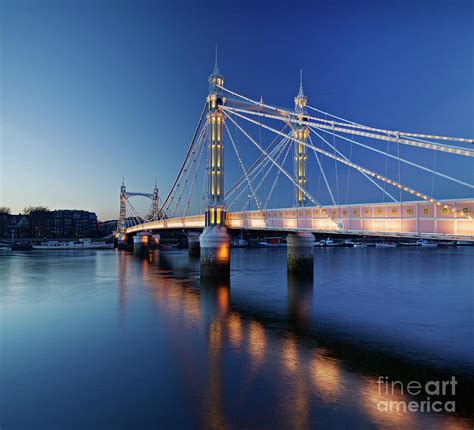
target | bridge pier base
x=215, y=252
x=142, y=243
x=155, y=241
x=300, y=252
x=194, y=247
x=122, y=241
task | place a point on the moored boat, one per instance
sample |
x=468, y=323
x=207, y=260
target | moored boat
x=385, y=245
x=426, y=243
x=55, y=245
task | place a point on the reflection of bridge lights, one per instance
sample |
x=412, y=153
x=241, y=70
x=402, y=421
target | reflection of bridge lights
x=223, y=299
x=326, y=378
x=370, y=398
x=290, y=354
x=215, y=336
x=234, y=328
x=256, y=341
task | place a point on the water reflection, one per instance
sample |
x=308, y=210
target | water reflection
x=300, y=299
x=306, y=376
x=325, y=374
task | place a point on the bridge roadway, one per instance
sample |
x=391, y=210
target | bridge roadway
x=418, y=220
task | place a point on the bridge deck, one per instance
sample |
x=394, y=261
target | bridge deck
x=409, y=219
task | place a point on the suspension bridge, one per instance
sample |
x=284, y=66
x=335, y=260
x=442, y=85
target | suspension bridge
x=315, y=157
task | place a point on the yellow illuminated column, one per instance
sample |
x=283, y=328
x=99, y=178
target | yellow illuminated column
x=300, y=161
x=214, y=240
x=215, y=214
x=301, y=132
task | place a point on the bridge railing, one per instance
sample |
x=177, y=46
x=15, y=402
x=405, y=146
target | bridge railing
x=407, y=218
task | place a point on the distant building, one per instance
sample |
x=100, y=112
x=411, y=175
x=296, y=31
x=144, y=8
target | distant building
x=18, y=225
x=63, y=223
x=107, y=228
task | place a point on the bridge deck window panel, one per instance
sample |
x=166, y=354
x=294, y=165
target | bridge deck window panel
x=408, y=226
x=445, y=226
x=323, y=224
x=426, y=210
x=366, y=211
x=355, y=212
x=442, y=212
x=355, y=224
x=464, y=226
x=426, y=225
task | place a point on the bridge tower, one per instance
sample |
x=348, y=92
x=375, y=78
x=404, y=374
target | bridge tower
x=155, y=204
x=301, y=132
x=122, y=222
x=300, y=249
x=215, y=241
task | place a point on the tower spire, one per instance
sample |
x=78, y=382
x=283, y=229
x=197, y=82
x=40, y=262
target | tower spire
x=301, y=93
x=216, y=67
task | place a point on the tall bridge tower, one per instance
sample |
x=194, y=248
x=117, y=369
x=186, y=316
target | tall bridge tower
x=301, y=133
x=122, y=224
x=215, y=241
x=155, y=204
x=300, y=246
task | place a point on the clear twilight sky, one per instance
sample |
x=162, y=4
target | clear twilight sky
x=91, y=91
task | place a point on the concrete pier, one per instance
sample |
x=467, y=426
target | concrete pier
x=194, y=247
x=300, y=252
x=142, y=243
x=155, y=241
x=215, y=252
x=122, y=241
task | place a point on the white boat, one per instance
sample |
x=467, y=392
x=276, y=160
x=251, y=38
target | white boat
x=5, y=247
x=238, y=243
x=55, y=245
x=360, y=245
x=330, y=242
x=385, y=245
x=272, y=242
x=426, y=243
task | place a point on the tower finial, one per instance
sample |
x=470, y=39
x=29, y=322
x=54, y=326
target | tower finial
x=123, y=181
x=216, y=67
x=301, y=93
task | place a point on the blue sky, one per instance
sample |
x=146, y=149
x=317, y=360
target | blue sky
x=95, y=90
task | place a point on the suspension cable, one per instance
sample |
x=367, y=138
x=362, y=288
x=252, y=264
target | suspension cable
x=457, y=150
x=259, y=168
x=257, y=201
x=403, y=160
x=275, y=152
x=338, y=223
x=363, y=169
x=187, y=171
x=352, y=124
x=198, y=165
x=187, y=154
x=348, y=159
x=252, y=167
x=277, y=176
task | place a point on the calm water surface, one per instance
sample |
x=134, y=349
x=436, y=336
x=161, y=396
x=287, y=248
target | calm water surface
x=107, y=340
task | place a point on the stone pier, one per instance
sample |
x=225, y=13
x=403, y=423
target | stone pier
x=300, y=252
x=122, y=241
x=142, y=243
x=193, y=244
x=215, y=252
